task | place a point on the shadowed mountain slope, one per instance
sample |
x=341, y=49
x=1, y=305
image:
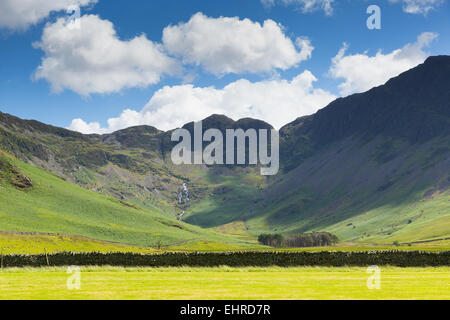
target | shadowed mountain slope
x=366, y=166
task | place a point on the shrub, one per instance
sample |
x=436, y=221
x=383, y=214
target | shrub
x=319, y=239
x=273, y=240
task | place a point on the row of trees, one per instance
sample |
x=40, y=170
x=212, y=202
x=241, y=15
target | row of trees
x=320, y=239
x=273, y=240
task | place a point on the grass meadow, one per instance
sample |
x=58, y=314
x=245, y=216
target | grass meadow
x=14, y=243
x=250, y=283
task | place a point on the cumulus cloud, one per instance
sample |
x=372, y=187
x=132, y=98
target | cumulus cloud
x=361, y=72
x=87, y=128
x=91, y=58
x=419, y=6
x=275, y=101
x=306, y=6
x=20, y=14
x=230, y=45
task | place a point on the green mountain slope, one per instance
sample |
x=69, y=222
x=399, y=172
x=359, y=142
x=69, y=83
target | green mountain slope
x=33, y=200
x=346, y=190
x=127, y=165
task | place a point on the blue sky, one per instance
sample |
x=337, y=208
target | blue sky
x=167, y=82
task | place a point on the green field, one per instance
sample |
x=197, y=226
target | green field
x=226, y=283
x=18, y=243
x=13, y=243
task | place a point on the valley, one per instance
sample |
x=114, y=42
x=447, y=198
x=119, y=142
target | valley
x=372, y=168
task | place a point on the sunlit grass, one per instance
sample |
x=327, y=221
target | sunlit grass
x=55, y=206
x=225, y=283
x=11, y=243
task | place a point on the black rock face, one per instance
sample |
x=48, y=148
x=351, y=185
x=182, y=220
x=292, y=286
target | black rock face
x=414, y=106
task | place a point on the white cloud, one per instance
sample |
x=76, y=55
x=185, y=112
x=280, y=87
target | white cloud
x=306, y=6
x=20, y=14
x=87, y=128
x=361, y=72
x=230, y=45
x=419, y=6
x=275, y=101
x=92, y=59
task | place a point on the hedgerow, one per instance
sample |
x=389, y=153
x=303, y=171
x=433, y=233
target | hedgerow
x=234, y=259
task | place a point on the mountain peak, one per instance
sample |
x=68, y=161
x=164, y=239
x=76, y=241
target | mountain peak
x=222, y=122
x=143, y=129
x=414, y=105
x=437, y=59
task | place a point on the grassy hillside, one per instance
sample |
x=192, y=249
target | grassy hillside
x=52, y=205
x=127, y=165
x=415, y=221
x=34, y=243
x=231, y=196
x=347, y=190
